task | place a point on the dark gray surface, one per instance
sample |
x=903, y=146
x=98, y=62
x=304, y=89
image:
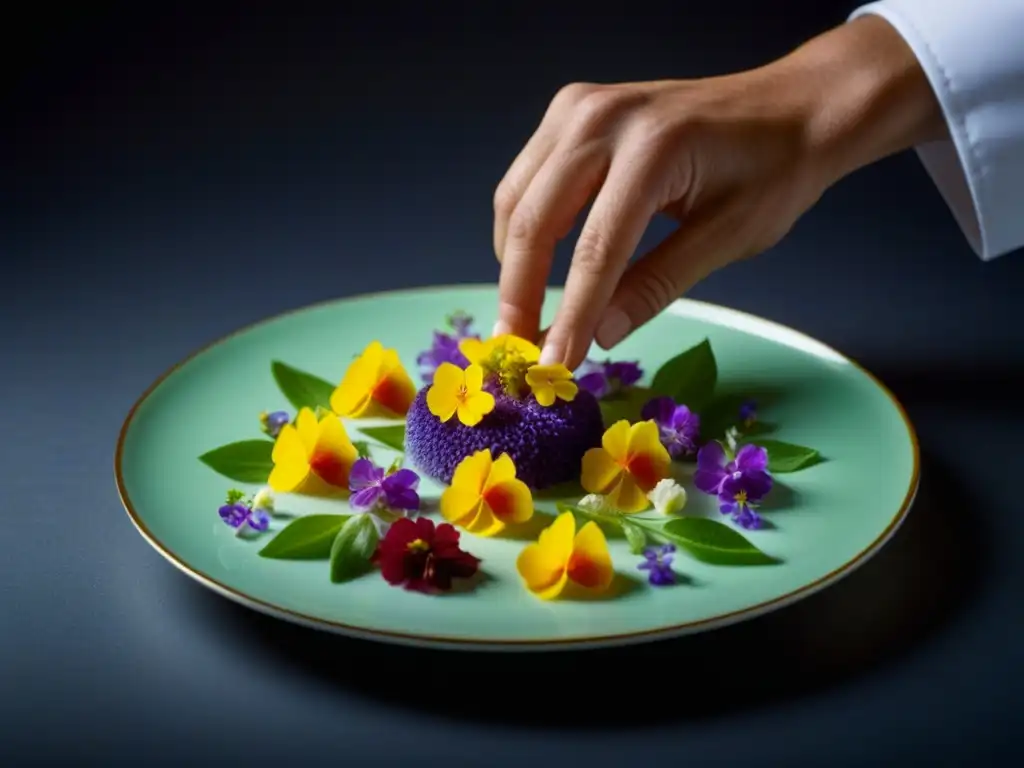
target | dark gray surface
x=172, y=179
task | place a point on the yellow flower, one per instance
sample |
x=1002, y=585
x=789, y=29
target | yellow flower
x=312, y=456
x=550, y=381
x=485, y=495
x=561, y=555
x=491, y=352
x=627, y=466
x=456, y=391
x=375, y=384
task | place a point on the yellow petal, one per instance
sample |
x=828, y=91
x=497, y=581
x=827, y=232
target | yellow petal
x=472, y=472
x=308, y=429
x=290, y=463
x=530, y=352
x=647, y=460
x=628, y=497
x=590, y=565
x=353, y=395
x=442, y=397
x=473, y=408
x=333, y=439
x=544, y=393
x=473, y=377
x=616, y=440
x=394, y=390
x=502, y=470
x=459, y=504
x=473, y=350
x=566, y=390
x=541, y=572
x=510, y=501
x=600, y=471
x=557, y=538
x=448, y=377
x=484, y=523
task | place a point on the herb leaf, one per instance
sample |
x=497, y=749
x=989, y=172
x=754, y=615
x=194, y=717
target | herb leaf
x=688, y=378
x=392, y=435
x=615, y=521
x=713, y=542
x=362, y=449
x=305, y=538
x=303, y=390
x=353, y=547
x=247, y=461
x=636, y=537
x=788, y=457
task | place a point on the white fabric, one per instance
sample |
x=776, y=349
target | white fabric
x=972, y=52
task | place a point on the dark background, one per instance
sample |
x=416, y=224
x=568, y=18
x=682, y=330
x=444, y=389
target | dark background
x=169, y=176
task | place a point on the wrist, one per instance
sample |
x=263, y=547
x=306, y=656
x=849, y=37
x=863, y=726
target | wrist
x=863, y=96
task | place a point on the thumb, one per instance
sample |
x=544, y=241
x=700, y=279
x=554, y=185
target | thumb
x=691, y=253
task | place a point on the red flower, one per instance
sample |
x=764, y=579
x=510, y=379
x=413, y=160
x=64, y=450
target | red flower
x=424, y=558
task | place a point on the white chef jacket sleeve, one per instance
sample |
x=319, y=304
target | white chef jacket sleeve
x=972, y=52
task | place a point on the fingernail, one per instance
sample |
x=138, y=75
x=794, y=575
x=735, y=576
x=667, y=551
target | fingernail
x=613, y=327
x=549, y=355
x=500, y=328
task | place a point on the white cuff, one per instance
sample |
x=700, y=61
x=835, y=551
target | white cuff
x=972, y=52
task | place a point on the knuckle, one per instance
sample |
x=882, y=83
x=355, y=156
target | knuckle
x=571, y=94
x=524, y=225
x=505, y=199
x=595, y=111
x=654, y=291
x=591, y=251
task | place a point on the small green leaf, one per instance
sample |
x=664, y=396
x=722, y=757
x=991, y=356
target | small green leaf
x=247, y=461
x=303, y=390
x=613, y=520
x=395, y=466
x=636, y=537
x=352, y=548
x=392, y=435
x=305, y=538
x=362, y=449
x=787, y=457
x=625, y=405
x=689, y=378
x=713, y=542
x=722, y=412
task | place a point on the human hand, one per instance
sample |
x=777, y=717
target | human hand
x=735, y=159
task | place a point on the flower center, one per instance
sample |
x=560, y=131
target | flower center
x=741, y=498
x=417, y=545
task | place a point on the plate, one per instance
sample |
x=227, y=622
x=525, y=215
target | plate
x=822, y=522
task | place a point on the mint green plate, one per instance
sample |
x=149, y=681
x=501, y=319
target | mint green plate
x=824, y=521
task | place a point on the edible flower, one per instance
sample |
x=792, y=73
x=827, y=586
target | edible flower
x=445, y=348
x=485, y=495
x=505, y=358
x=264, y=500
x=244, y=518
x=374, y=489
x=271, y=423
x=668, y=497
x=678, y=426
x=627, y=466
x=312, y=456
x=740, y=483
x=457, y=391
x=548, y=382
x=595, y=504
x=658, y=564
x=423, y=557
x=604, y=379
x=375, y=384
x=561, y=555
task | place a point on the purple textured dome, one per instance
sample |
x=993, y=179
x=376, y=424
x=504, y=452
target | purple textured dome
x=546, y=444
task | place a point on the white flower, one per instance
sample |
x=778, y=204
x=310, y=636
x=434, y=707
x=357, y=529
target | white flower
x=668, y=497
x=594, y=503
x=731, y=438
x=263, y=500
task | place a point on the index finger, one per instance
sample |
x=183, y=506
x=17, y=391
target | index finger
x=544, y=215
x=616, y=223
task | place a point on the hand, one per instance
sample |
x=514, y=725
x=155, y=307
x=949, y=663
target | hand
x=735, y=159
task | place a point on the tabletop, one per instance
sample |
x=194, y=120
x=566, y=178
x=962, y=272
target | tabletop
x=170, y=178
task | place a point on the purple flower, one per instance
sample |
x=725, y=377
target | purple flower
x=373, y=488
x=748, y=413
x=243, y=518
x=677, y=425
x=739, y=483
x=658, y=564
x=271, y=423
x=445, y=348
x=602, y=379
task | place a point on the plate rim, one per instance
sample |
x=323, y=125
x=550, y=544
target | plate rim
x=580, y=642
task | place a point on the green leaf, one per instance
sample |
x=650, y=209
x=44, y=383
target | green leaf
x=305, y=538
x=303, y=390
x=636, y=537
x=352, y=548
x=625, y=405
x=713, y=542
x=615, y=521
x=719, y=414
x=787, y=457
x=392, y=435
x=362, y=449
x=690, y=377
x=247, y=461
